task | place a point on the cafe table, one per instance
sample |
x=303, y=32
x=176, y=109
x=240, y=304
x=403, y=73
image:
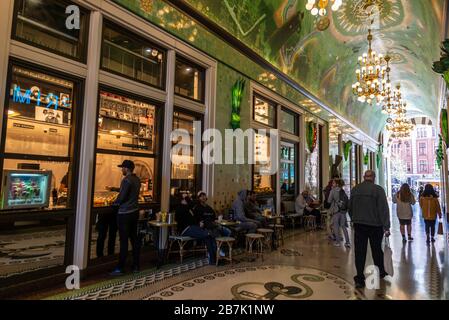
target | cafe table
x=162, y=242
x=227, y=223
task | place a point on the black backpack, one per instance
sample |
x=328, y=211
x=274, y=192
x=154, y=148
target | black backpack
x=343, y=202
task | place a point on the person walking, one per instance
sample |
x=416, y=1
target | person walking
x=430, y=207
x=404, y=200
x=338, y=201
x=128, y=216
x=370, y=214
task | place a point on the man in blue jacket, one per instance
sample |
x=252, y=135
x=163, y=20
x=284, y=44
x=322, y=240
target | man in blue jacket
x=128, y=216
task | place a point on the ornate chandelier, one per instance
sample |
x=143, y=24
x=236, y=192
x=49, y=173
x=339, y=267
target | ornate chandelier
x=371, y=83
x=393, y=103
x=318, y=7
x=400, y=127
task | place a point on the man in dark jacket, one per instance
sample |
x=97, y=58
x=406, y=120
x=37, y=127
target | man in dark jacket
x=127, y=216
x=370, y=214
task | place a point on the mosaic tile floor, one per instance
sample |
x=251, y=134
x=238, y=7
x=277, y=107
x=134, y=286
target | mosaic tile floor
x=306, y=267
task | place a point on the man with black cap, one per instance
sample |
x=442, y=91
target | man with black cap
x=128, y=215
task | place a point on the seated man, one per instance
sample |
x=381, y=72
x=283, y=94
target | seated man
x=252, y=209
x=238, y=206
x=205, y=217
x=306, y=205
x=188, y=227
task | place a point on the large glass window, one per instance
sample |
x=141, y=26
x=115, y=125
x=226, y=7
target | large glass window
x=125, y=124
x=43, y=23
x=189, y=80
x=288, y=170
x=37, y=168
x=127, y=129
x=422, y=149
x=185, y=173
x=263, y=179
x=264, y=111
x=132, y=56
x=289, y=122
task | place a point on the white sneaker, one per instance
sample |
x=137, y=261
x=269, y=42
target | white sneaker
x=347, y=245
x=222, y=253
x=337, y=244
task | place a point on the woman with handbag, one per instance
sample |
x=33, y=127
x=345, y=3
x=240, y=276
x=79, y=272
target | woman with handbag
x=404, y=200
x=430, y=207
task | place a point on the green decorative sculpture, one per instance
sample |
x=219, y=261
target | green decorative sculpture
x=443, y=126
x=366, y=158
x=237, y=95
x=380, y=151
x=346, y=148
x=440, y=153
x=442, y=66
x=311, y=136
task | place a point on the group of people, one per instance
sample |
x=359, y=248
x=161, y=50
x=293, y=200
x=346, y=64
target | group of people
x=430, y=208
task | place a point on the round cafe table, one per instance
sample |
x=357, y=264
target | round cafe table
x=162, y=240
x=227, y=223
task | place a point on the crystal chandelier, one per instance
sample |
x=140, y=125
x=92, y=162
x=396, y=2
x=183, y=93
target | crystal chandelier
x=318, y=7
x=393, y=103
x=371, y=83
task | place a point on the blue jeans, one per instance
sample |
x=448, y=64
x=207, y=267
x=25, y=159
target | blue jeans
x=200, y=234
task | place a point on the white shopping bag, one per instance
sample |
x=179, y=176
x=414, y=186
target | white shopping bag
x=388, y=258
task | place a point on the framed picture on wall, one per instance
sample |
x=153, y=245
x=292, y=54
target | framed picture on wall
x=49, y=115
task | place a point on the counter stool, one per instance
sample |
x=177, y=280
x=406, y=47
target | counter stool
x=250, y=239
x=309, y=223
x=325, y=220
x=268, y=236
x=278, y=232
x=222, y=241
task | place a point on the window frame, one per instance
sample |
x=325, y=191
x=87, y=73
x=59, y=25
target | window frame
x=84, y=34
x=196, y=65
x=157, y=155
x=296, y=117
x=257, y=95
x=131, y=34
x=424, y=148
x=74, y=140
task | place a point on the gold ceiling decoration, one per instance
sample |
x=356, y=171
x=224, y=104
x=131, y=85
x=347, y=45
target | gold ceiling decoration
x=146, y=5
x=320, y=9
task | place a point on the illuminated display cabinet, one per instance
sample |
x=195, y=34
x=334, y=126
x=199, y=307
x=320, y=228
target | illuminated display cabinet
x=26, y=189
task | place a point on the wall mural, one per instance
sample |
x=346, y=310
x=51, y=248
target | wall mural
x=283, y=32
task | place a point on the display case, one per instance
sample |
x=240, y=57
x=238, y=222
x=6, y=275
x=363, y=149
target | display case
x=25, y=189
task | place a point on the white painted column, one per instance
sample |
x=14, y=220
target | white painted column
x=7, y=8
x=168, y=127
x=325, y=169
x=209, y=123
x=87, y=152
x=302, y=153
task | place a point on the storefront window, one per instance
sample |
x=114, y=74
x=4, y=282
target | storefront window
x=127, y=130
x=189, y=80
x=43, y=24
x=288, y=170
x=289, y=122
x=184, y=173
x=39, y=140
x=263, y=180
x=132, y=56
x=264, y=112
x=108, y=174
x=126, y=124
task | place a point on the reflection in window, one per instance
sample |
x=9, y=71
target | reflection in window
x=31, y=245
x=287, y=171
x=108, y=174
x=264, y=112
x=132, y=56
x=126, y=124
x=189, y=80
x=263, y=179
x=289, y=122
x=42, y=22
x=184, y=170
x=39, y=114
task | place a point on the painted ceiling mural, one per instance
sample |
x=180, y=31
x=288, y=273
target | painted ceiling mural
x=324, y=62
